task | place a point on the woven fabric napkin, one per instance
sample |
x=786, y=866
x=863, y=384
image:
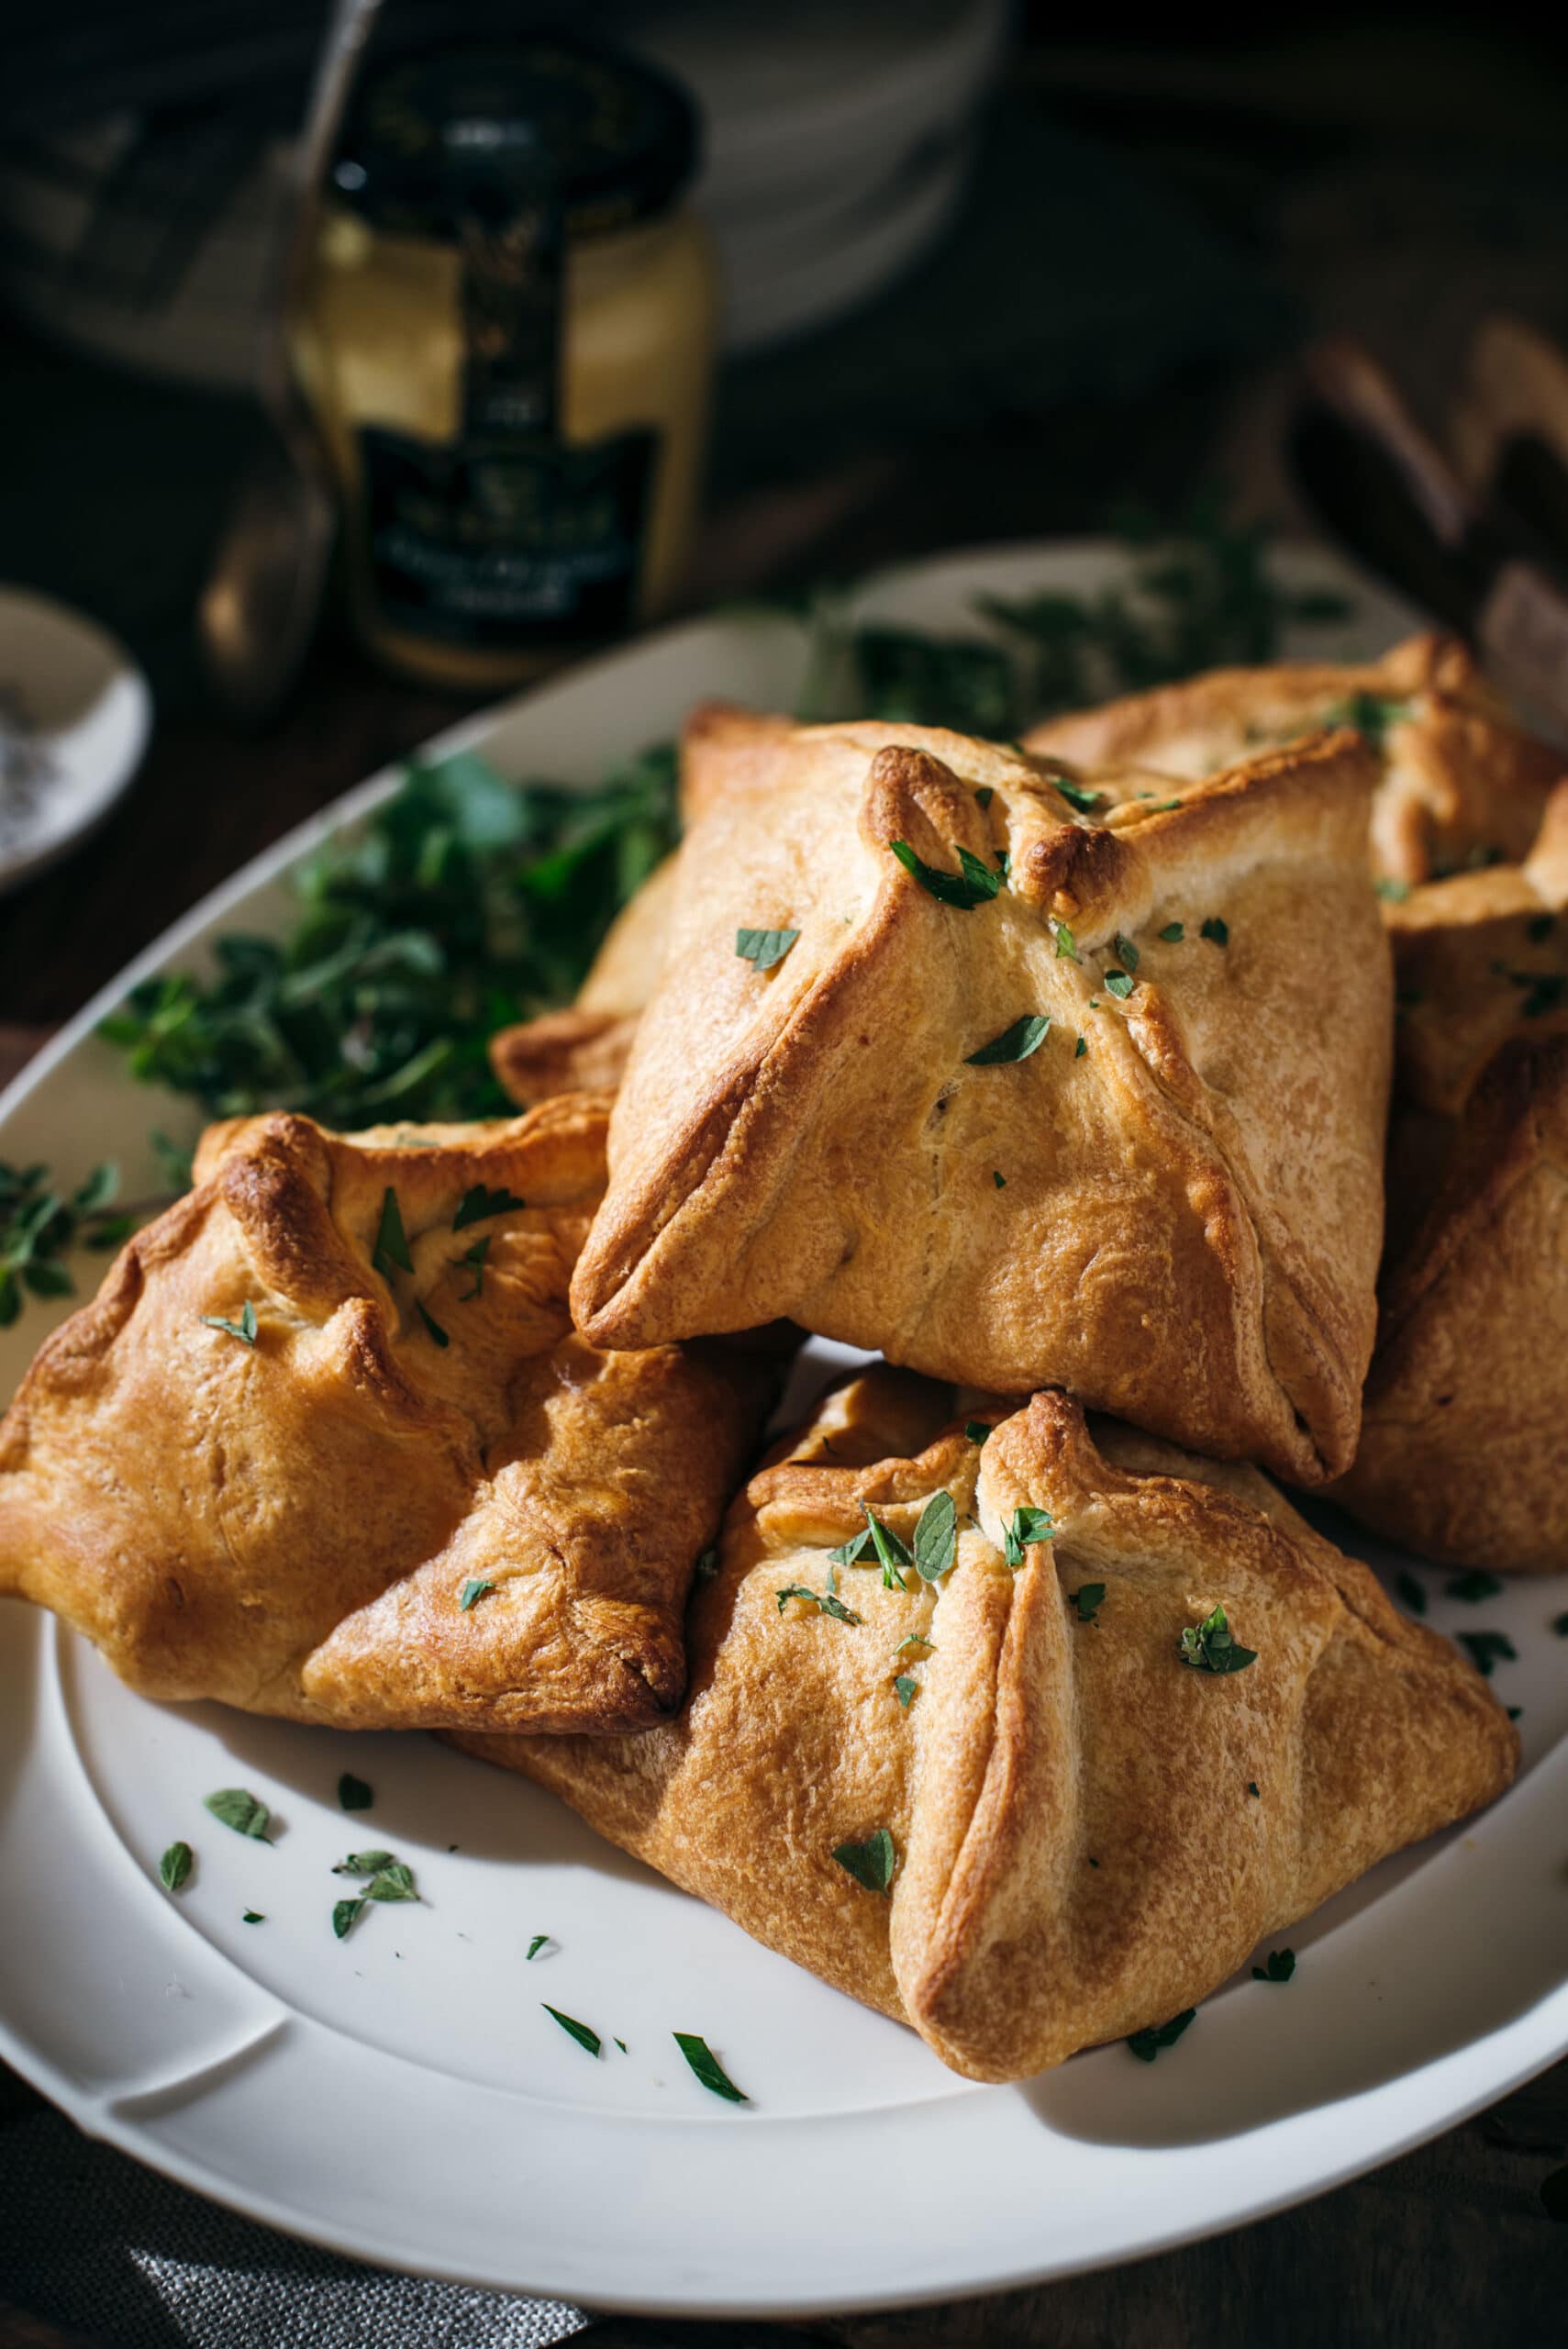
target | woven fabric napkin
x=91, y=2242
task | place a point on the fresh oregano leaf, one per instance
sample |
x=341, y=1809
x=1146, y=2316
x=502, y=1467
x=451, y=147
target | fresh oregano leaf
x=478, y=1204
x=1147, y=2044
x=765, y=948
x=391, y=1251
x=872, y=1863
x=707, y=2067
x=1209, y=1646
x=244, y=1329
x=236, y=1807
x=472, y=1591
x=1026, y=1035
x=354, y=1794
x=935, y=1537
x=175, y=1867
x=574, y=2030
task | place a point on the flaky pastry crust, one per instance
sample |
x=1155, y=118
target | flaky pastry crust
x=1459, y=779
x=1090, y=1836
x=1464, y=1449
x=418, y=1499
x=1172, y=1206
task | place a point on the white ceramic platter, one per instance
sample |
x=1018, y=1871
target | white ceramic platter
x=403, y=2095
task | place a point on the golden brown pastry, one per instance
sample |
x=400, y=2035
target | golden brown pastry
x=1171, y=1206
x=326, y=1444
x=1461, y=780
x=1087, y=1831
x=583, y=1047
x=1464, y=1439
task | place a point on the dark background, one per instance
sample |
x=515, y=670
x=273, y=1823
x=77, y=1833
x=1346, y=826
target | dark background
x=1163, y=210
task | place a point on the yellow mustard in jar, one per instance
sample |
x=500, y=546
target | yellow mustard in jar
x=507, y=337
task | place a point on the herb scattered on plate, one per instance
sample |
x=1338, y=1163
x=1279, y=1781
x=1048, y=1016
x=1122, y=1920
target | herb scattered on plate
x=707, y=2067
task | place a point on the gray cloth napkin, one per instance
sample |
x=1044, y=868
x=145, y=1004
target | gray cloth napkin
x=91, y=2242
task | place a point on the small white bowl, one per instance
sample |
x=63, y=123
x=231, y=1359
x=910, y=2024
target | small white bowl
x=75, y=712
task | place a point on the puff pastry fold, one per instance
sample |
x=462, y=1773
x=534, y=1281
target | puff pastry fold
x=1463, y=1451
x=1087, y=1835
x=1167, y=1200
x=326, y=1445
x=1459, y=779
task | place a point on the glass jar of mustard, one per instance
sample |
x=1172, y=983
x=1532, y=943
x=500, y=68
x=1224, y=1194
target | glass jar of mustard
x=506, y=336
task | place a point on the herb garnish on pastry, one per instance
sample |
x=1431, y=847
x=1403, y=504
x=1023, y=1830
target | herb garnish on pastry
x=1092, y=1720
x=1041, y=1085
x=326, y=1445
x=1461, y=781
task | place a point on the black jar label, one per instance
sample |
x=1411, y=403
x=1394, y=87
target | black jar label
x=507, y=539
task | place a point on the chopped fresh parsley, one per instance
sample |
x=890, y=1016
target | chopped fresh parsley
x=1473, y=1587
x=825, y=1603
x=707, y=2067
x=244, y=1329
x=431, y=1322
x=1174, y=933
x=236, y=1807
x=765, y=948
x=935, y=1537
x=1488, y=1649
x=472, y=1591
x=354, y=1794
x=1087, y=1601
x=535, y=1946
x=574, y=2030
x=39, y=1224
x=1209, y=1646
x=974, y=884
x=1147, y=2044
x=1279, y=1968
x=175, y=1867
x=1216, y=931
x=1370, y=716
x=388, y=1879
x=1077, y=794
x=478, y=1204
x=1026, y=1035
x=390, y=1254
x=474, y=1256
x=872, y=1863
x=893, y=1553
x=1412, y=1592
x=1024, y=1527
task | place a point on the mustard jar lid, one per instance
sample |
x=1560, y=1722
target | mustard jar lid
x=435, y=138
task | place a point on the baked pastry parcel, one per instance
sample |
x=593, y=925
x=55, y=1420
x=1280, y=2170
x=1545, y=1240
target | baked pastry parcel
x=326, y=1444
x=959, y=1059
x=1465, y=1438
x=1140, y=1717
x=1461, y=781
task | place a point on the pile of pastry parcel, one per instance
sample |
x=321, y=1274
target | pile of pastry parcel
x=1056, y=1074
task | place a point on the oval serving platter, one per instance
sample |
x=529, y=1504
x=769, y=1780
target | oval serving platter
x=403, y=2095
